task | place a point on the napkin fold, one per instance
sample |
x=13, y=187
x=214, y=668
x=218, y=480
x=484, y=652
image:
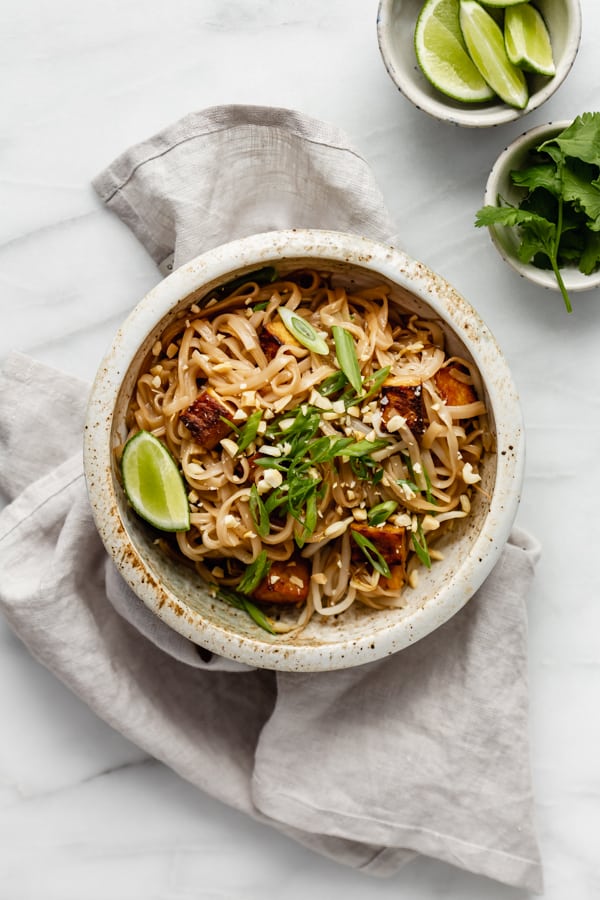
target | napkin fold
x=425, y=752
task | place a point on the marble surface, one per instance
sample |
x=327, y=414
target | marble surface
x=83, y=813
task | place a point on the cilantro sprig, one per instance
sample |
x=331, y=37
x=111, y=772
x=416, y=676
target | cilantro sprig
x=558, y=220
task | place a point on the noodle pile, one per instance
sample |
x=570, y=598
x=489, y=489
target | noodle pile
x=278, y=485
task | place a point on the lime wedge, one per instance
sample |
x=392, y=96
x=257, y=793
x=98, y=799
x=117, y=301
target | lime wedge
x=442, y=55
x=527, y=40
x=153, y=483
x=485, y=43
x=497, y=4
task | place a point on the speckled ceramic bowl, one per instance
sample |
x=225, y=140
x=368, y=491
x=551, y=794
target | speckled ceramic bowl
x=396, y=22
x=506, y=240
x=360, y=635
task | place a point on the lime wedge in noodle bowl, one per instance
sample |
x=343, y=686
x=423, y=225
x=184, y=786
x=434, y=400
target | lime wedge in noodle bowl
x=153, y=483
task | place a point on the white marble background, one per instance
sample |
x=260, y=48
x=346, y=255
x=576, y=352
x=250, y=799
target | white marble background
x=84, y=815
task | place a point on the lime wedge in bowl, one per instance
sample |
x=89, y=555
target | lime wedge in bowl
x=153, y=483
x=527, y=40
x=499, y=4
x=442, y=55
x=485, y=42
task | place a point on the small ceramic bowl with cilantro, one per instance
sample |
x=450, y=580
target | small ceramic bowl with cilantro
x=542, y=205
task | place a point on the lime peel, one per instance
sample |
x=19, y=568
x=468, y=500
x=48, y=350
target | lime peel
x=442, y=54
x=527, y=40
x=153, y=483
x=485, y=42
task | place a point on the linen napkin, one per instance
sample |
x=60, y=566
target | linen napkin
x=425, y=752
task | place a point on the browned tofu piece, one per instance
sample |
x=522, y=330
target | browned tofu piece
x=273, y=336
x=404, y=400
x=453, y=391
x=286, y=582
x=396, y=580
x=390, y=541
x=203, y=420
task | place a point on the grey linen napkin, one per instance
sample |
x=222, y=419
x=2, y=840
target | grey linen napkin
x=425, y=752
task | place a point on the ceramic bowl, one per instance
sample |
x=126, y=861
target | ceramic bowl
x=395, y=30
x=506, y=240
x=180, y=598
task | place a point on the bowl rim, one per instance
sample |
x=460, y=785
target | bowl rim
x=575, y=281
x=446, y=303
x=476, y=115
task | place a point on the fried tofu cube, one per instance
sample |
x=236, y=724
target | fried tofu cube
x=273, y=336
x=405, y=400
x=389, y=541
x=396, y=580
x=453, y=391
x=204, y=420
x=286, y=582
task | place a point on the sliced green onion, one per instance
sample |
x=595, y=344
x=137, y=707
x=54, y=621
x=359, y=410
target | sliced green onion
x=419, y=543
x=345, y=351
x=409, y=484
x=248, y=433
x=375, y=383
x=303, y=331
x=327, y=448
x=259, y=617
x=332, y=384
x=379, y=514
x=363, y=448
x=372, y=553
x=259, y=514
x=241, y=602
x=310, y=520
x=254, y=574
x=430, y=498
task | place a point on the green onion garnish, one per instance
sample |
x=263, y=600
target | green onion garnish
x=379, y=514
x=303, y=331
x=346, y=356
x=254, y=574
x=248, y=433
x=375, y=383
x=372, y=553
x=364, y=447
x=419, y=543
x=259, y=514
x=332, y=384
x=241, y=602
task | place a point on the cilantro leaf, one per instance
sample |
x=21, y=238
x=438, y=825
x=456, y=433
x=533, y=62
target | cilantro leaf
x=590, y=258
x=540, y=176
x=585, y=196
x=581, y=139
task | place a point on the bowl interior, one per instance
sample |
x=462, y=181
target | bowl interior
x=395, y=28
x=506, y=240
x=180, y=597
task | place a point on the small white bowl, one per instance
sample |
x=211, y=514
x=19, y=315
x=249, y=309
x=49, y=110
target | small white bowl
x=396, y=22
x=176, y=594
x=506, y=240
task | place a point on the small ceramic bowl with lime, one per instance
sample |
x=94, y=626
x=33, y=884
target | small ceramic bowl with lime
x=478, y=64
